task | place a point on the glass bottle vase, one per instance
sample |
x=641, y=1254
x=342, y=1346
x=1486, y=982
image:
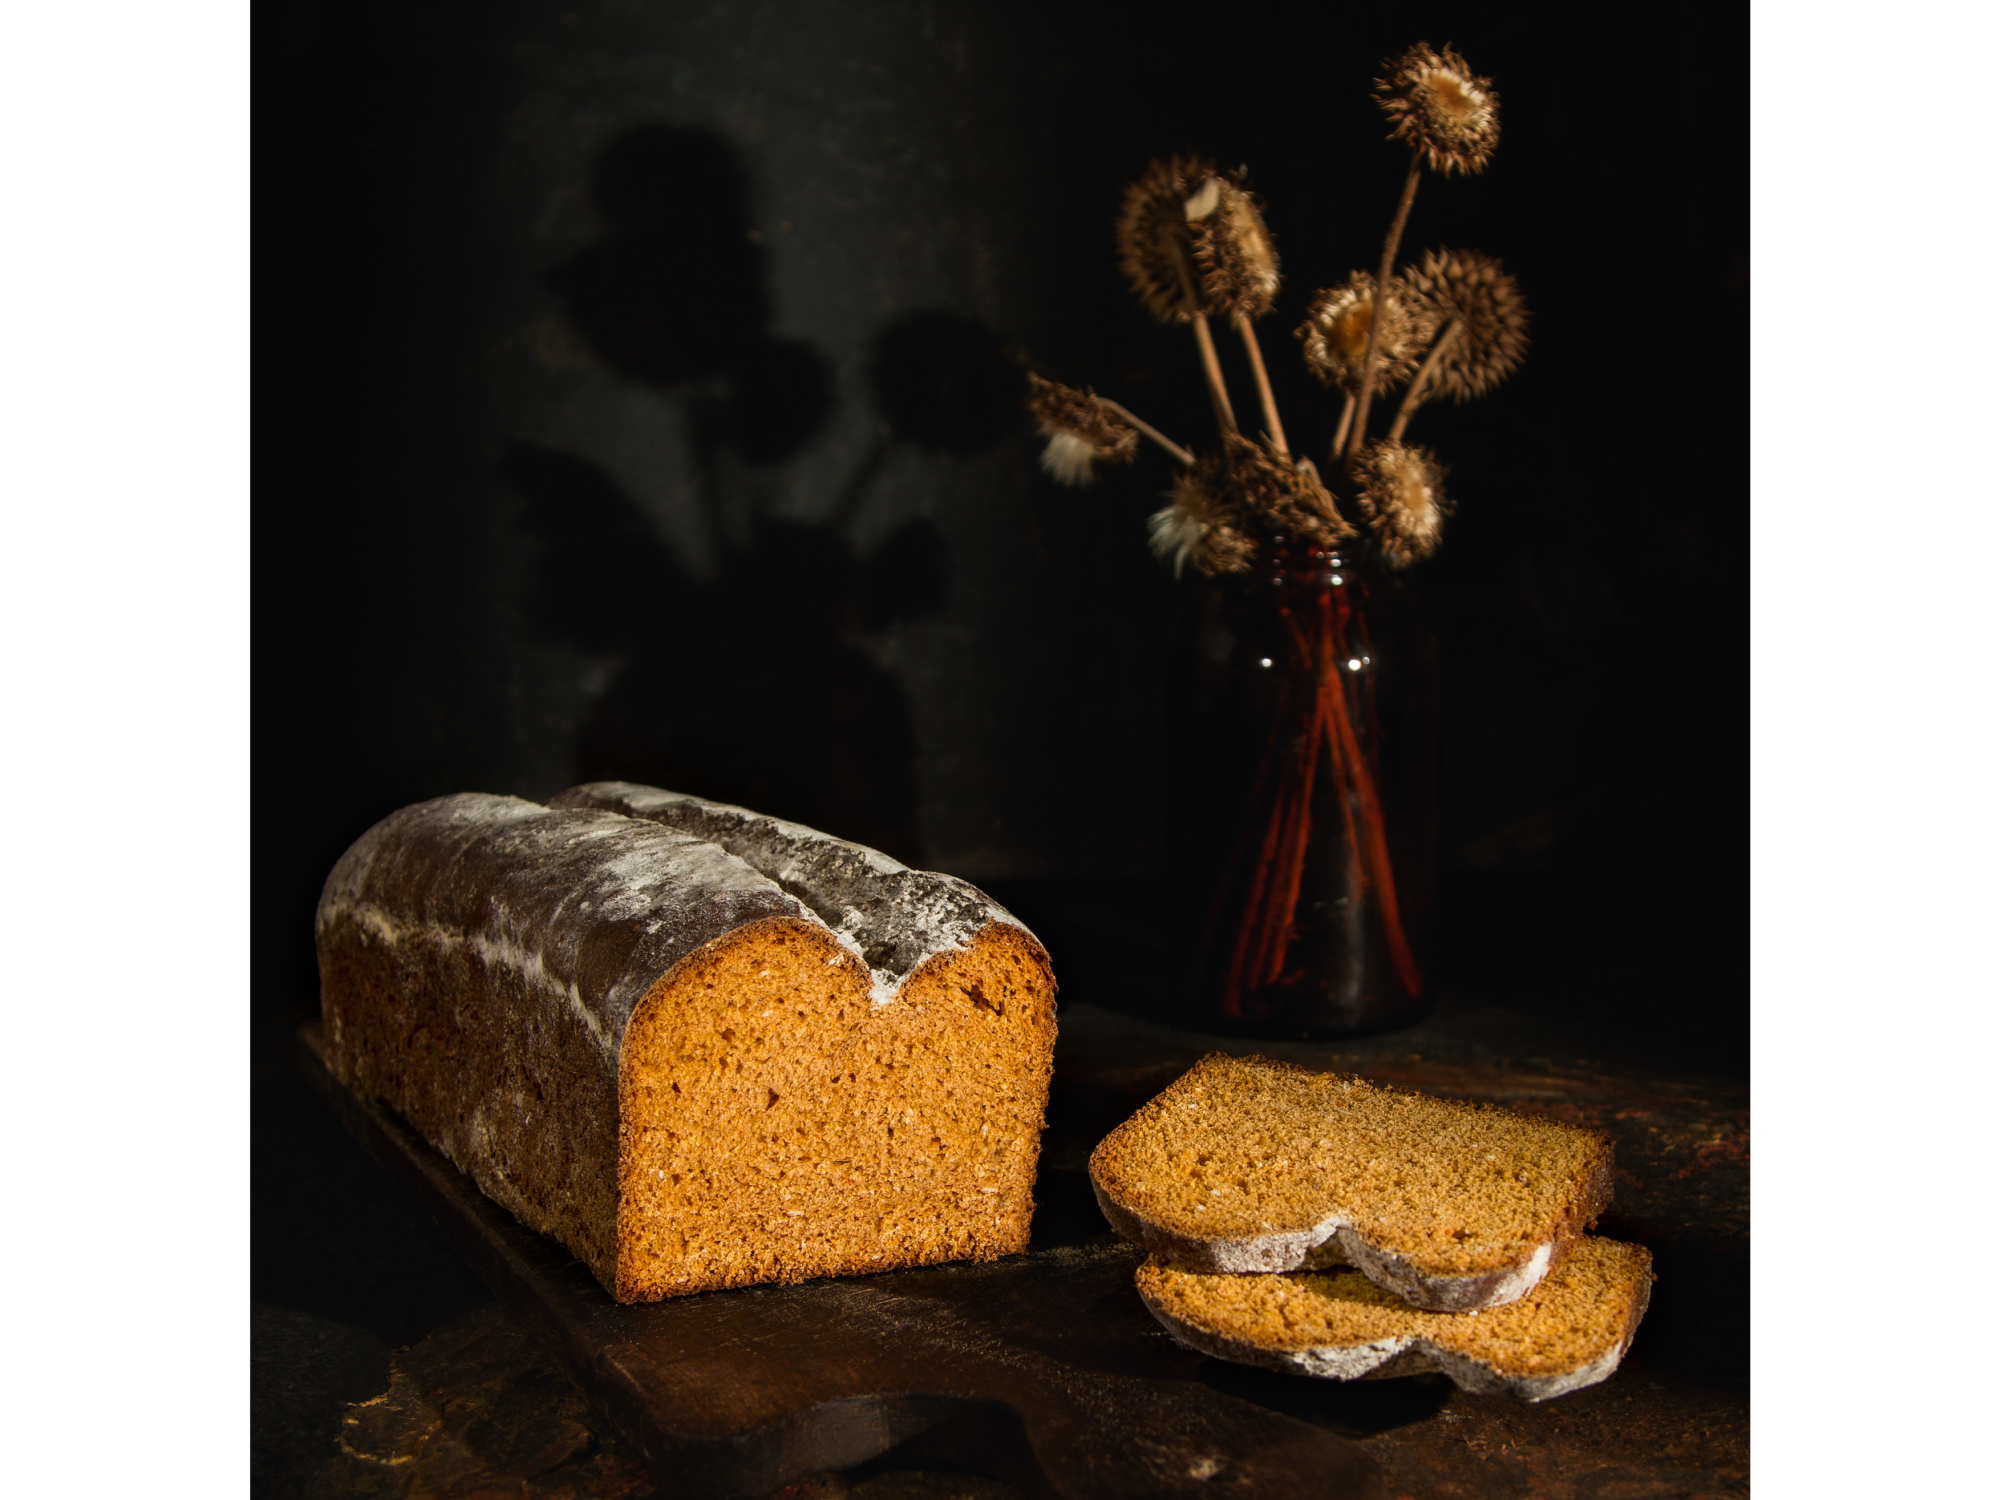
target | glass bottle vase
x=1316, y=736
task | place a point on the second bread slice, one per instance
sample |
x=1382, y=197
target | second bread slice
x=1246, y=1165
x=1570, y=1332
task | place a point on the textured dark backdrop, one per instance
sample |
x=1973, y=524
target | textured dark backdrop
x=631, y=403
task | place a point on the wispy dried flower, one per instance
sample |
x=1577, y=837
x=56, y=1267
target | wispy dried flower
x=1401, y=493
x=1335, y=332
x=1080, y=431
x=1155, y=240
x=1487, y=302
x=1239, y=265
x=1437, y=104
x=1189, y=529
x=1069, y=460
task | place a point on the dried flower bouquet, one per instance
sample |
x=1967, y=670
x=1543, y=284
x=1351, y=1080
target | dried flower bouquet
x=1194, y=247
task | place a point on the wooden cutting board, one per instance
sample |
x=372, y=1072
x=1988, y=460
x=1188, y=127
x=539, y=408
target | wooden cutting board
x=740, y=1392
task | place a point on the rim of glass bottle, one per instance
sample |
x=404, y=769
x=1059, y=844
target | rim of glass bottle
x=1281, y=559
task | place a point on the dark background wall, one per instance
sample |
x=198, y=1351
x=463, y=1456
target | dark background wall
x=631, y=403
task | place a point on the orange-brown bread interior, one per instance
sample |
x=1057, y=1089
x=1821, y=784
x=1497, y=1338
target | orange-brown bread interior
x=1239, y=1147
x=1580, y=1311
x=776, y=1124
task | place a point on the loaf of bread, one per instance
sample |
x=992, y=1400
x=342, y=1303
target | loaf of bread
x=1569, y=1332
x=699, y=1047
x=1246, y=1165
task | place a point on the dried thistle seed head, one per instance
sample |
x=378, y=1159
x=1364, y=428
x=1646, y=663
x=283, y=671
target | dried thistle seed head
x=1335, y=333
x=1080, y=431
x=1197, y=525
x=1063, y=408
x=1228, y=499
x=1232, y=248
x=1224, y=550
x=1441, y=107
x=1275, y=494
x=1400, y=490
x=1155, y=242
x=1179, y=535
x=1493, y=318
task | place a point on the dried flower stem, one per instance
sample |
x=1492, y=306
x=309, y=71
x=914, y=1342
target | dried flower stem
x=1146, y=429
x=1414, y=396
x=1211, y=367
x=1218, y=393
x=1389, y=249
x=1340, y=433
x=1271, y=423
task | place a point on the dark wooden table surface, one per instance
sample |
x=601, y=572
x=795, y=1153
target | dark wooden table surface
x=475, y=1401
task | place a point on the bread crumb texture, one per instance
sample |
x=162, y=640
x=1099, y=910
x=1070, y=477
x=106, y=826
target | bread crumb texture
x=776, y=1125
x=1241, y=1147
x=1582, y=1313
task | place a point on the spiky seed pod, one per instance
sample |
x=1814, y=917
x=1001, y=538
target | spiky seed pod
x=1335, y=333
x=1471, y=287
x=1401, y=494
x=1193, y=527
x=1155, y=243
x=1275, y=494
x=1081, y=433
x=1232, y=248
x=1062, y=408
x=1220, y=506
x=1441, y=107
x=1204, y=523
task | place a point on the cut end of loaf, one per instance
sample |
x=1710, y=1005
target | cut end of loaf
x=777, y=1125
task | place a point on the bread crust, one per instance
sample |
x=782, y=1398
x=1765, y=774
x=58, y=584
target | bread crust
x=565, y=1000
x=1334, y=1242
x=1330, y=1235
x=1450, y=1350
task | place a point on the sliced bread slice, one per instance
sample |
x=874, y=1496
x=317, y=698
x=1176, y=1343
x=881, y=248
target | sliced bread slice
x=1247, y=1165
x=1569, y=1332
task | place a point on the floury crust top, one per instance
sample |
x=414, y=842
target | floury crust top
x=589, y=906
x=592, y=898
x=892, y=917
